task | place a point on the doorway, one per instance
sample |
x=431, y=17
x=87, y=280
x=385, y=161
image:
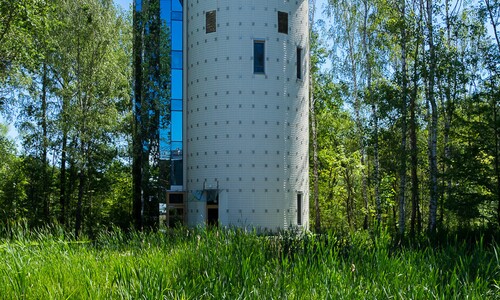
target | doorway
x=212, y=207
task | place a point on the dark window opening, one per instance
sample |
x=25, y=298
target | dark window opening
x=283, y=22
x=258, y=57
x=299, y=209
x=176, y=198
x=213, y=215
x=299, y=63
x=177, y=172
x=211, y=20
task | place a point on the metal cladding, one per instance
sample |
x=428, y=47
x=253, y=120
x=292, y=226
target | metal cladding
x=246, y=112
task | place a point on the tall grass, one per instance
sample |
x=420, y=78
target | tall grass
x=232, y=264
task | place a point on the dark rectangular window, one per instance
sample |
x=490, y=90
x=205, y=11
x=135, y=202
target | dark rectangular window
x=299, y=209
x=211, y=21
x=258, y=56
x=299, y=63
x=175, y=198
x=283, y=22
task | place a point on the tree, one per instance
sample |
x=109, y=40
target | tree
x=12, y=182
x=19, y=22
x=83, y=83
x=151, y=110
x=314, y=135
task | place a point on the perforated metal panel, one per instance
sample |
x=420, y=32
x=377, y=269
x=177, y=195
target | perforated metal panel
x=247, y=132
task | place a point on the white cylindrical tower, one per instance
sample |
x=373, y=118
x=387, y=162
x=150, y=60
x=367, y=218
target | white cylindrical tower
x=247, y=112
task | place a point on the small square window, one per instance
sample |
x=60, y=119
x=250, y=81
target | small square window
x=211, y=20
x=283, y=22
x=258, y=57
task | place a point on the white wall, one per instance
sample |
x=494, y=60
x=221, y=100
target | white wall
x=246, y=132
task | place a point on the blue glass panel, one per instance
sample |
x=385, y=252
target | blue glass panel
x=176, y=5
x=176, y=84
x=258, y=57
x=165, y=16
x=177, y=126
x=177, y=15
x=165, y=130
x=176, y=35
x=176, y=104
x=165, y=11
x=177, y=146
x=166, y=4
x=176, y=59
x=138, y=5
x=177, y=172
x=165, y=143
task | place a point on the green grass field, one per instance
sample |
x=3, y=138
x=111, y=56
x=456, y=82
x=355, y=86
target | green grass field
x=227, y=264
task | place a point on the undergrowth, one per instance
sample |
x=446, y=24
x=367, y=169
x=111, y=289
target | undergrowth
x=233, y=264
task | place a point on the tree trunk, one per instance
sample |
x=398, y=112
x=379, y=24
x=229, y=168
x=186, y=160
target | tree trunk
x=368, y=70
x=376, y=163
x=497, y=146
x=414, y=149
x=62, y=181
x=359, y=124
x=314, y=133
x=492, y=21
x=138, y=135
x=46, y=208
x=433, y=203
x=404, y=93
x=489, y=8
x=79, y=204
x=448, y=109
x=351, y=220
x=317, y=218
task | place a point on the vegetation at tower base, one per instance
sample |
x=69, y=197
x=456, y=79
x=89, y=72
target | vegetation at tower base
x=232, y=264
x=151, y=112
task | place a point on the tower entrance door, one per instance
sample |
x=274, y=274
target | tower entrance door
x=213, y=215
x=212, y=207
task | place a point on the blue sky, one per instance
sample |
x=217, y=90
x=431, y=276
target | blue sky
x=124, y=3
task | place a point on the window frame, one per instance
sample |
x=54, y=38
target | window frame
x=282, y=21
x=299, y=208
x=299, y=63
x=211, y=16
x=257, y=68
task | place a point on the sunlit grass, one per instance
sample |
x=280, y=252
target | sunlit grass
x=232, y=264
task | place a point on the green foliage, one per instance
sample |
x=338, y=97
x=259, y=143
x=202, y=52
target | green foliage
x=152, y=64
x=73, y=98
x=399, y=106
x=13, y=181
x=20, y=22
x=228, y=264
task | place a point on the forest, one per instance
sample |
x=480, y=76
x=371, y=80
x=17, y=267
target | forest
x=404, y=120
x=405, y=127
x=404, y=162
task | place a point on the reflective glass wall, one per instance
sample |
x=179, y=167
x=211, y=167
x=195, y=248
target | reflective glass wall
x=171, y=137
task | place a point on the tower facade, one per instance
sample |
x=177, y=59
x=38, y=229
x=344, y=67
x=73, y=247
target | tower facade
x=227, y=84
x=246, y=113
